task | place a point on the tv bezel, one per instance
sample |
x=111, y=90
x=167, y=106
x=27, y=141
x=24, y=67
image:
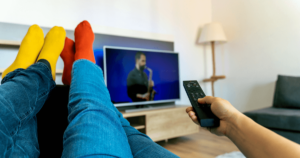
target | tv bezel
x=140, y=49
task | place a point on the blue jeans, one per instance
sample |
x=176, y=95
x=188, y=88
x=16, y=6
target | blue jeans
x=96, y=128
x=22, y=95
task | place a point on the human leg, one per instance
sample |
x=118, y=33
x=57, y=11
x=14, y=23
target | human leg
x=84, y=37
x=67, y=55
x=94, y=127
x=24, y=92
x=30, y=47
x=22, y=95
x=141, y=145
x=26, y=140
x=54, y=44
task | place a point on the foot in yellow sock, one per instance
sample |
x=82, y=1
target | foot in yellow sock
x=54, y=44
x=29, y=50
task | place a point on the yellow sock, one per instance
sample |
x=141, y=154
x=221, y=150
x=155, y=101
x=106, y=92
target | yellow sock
x=54, y=44
x=29, y=50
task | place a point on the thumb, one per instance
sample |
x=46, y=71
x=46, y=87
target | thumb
x=206, y=100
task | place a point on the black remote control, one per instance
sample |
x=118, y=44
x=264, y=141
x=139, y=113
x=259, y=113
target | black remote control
x=203, y=112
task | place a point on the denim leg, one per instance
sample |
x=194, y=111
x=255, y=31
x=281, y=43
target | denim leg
x=26, y=141
x=22, y=95
x=94, y=128
x=141, y=145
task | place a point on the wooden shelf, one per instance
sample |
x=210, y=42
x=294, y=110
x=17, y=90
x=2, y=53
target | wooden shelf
x=10, y=43
x=209, y=80
x=58, y=72
x=138, y=126
x=214, y=78
x=218, y=77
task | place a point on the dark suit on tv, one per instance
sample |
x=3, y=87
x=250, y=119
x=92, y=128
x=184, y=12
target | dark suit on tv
x=137, y=83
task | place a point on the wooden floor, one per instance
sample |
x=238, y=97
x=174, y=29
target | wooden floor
x=202, y=145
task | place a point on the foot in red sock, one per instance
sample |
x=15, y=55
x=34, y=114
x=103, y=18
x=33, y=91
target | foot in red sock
x=68, y=56
x=84, y=38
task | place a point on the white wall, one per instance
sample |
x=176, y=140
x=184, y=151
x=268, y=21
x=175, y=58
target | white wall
x=263, y=41
x=178, y=18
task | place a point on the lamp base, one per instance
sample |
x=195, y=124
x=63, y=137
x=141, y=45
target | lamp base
x=213, y=79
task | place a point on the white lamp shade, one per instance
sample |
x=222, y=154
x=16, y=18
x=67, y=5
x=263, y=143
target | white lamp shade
x=212, y=32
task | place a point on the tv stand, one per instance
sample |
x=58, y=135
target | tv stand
x=162, y=124
x=146, y=107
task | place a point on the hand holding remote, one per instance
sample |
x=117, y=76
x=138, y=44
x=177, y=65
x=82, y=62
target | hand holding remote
x=222, y=109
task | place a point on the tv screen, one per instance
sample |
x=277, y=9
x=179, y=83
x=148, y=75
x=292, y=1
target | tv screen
x=141, y=76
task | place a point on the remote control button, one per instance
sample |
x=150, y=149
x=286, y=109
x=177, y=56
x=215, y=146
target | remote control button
x=201, y=94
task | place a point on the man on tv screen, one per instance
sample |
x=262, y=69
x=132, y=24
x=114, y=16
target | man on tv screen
x=138, y=88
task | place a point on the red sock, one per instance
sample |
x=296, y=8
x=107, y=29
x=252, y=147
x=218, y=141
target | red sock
x=84, y=38
x=67, y=55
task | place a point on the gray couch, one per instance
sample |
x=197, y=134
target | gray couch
x=284, y=116
x=285, y=122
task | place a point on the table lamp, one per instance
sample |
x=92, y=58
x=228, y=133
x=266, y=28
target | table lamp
x=212, y=32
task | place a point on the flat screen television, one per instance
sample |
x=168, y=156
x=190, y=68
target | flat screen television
x=141, y=76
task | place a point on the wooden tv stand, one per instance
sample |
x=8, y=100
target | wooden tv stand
x=162, y=124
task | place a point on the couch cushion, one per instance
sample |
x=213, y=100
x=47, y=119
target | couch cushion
x=278, y=118
x=287, y=92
